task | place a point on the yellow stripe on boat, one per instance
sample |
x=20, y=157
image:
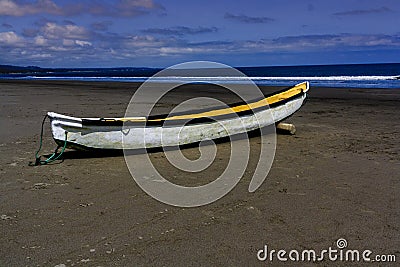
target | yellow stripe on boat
x=302, y=87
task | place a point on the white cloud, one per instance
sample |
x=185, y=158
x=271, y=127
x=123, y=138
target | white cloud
x=83, y=43
x=66, y=42
x=40, y=40
x=40, y=56
x=139, y=41
x=319, y=42
x=10, y=8
x=70, y=43
x=128, y=8
x=137, y=3
x=53, y=30
x=14, y=8
x=10, y=38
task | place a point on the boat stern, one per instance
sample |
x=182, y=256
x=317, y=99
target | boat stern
x=304, y=86
x=61, y=125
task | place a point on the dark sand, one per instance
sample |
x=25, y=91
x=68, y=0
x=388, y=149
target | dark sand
x=338, y=177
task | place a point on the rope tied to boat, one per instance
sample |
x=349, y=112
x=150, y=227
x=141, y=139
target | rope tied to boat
x=55, y=156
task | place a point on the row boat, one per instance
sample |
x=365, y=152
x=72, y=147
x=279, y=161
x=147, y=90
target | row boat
x=176, y=129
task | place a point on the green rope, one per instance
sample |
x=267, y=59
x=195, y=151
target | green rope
x=54, y=156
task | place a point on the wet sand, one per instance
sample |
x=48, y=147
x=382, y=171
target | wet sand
x=338, y=177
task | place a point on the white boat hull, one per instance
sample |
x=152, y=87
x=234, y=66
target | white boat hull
x=85, y=137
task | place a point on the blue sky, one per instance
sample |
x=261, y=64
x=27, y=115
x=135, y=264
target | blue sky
x=151, y=33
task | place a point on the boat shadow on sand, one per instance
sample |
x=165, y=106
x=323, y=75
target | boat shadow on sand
x=105, y=153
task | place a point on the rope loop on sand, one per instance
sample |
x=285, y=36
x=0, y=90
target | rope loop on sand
x=55, y=156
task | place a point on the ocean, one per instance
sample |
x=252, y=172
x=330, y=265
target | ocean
x=350, y=75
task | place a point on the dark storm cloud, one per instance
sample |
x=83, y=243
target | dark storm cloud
x=247, y=19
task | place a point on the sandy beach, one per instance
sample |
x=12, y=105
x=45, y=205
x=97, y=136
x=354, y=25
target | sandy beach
x=338, y=177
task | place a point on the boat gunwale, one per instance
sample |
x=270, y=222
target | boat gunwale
x=159, y=120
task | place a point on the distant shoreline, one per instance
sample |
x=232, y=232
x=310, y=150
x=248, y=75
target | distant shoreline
x=345, y=76
x=136, y=83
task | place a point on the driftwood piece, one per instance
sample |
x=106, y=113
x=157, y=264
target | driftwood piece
x=285, y=128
